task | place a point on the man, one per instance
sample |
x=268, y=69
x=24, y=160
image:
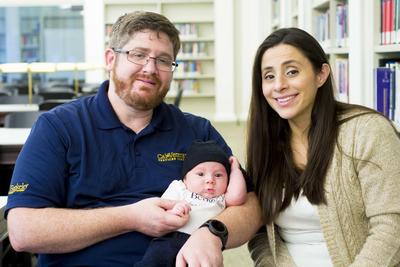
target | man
x=86, y=186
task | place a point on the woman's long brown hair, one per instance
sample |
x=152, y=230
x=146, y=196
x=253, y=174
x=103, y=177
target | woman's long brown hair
x=269, y=156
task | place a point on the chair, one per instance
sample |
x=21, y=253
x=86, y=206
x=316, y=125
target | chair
x=21, y=119
x=57, y=93
x=17, y=88
x=51, y=103
x=89, y=88
x=20, y=99
x=4, y=91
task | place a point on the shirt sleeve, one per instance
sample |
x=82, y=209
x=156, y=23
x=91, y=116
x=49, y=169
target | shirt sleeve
x=378, y=148
x=174, y=191
x=40, y=169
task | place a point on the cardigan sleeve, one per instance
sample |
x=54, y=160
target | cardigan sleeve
x=377, y=163
x=260, y=251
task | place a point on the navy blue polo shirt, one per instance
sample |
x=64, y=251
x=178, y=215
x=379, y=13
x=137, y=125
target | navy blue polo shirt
x=79, y=155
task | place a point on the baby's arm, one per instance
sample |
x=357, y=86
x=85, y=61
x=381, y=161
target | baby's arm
x=180, y=209
x=175, y=192
x=236, y=192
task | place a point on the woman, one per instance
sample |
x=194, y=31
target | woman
x=327, y=174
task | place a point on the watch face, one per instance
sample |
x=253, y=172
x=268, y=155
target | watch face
x=218, y=226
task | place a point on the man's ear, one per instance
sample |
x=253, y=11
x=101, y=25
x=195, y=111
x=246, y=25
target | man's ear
x=323, y=74
x=109, y=58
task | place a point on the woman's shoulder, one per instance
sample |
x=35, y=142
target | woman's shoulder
x=365, y=122
x=357, y=115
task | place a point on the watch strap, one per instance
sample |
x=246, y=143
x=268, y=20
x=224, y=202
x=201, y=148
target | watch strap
x=219, y=229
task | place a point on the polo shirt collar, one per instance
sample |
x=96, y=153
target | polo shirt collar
x=162, y=117
x=106, y=118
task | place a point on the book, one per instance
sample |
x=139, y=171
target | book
x=397, y=21
x=391, y=21
x=342, y=79
x=395, y=66
x=382, y=84
x=341, y=25
x=397, y=94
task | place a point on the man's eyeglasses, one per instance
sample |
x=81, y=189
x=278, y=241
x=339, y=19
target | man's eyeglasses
x=140, y=58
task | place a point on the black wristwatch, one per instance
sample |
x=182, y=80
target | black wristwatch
x=219, y=229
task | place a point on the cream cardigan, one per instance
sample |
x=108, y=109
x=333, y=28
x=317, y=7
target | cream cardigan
x=361, y=221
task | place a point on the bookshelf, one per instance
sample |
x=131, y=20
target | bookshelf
x=2, y=36
x=350, y=33
x=195, y=74
x=30, y=38
x=294, y=7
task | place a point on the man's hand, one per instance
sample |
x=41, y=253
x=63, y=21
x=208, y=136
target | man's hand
x=151, y=217
x=202, y=249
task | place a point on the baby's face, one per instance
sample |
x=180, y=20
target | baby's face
x=208, y=179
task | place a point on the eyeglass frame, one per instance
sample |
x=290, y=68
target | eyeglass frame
x=174, y=65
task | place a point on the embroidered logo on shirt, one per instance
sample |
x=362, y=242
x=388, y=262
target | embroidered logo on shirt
x=171, y=156
x=14, y=188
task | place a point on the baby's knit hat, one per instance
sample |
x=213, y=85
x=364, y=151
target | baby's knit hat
x=203, y=151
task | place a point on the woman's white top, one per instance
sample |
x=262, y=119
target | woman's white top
x=300, y=228
x=202, y=208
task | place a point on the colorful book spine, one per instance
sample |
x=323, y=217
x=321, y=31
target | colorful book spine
x=397, y=21
x=342, y=79
x=390, y=22
x=394, y=89
x=383, y=24
x=382, y=89
x=397, y=95
x=341, y=25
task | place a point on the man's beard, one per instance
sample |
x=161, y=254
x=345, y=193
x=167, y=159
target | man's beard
x=124, y=90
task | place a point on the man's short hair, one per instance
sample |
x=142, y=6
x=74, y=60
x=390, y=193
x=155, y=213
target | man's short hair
x=128, y=24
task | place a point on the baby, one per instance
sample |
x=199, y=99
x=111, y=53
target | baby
x=210, y=182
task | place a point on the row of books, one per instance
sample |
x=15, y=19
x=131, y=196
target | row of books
x=187, y=30
x=390, y=22
x=191, y=86
x=188, y=67
x=322, y=27
x=387, y=90
x=322, y=30
x=30, y=55
x=29, y=40
x=193, y=49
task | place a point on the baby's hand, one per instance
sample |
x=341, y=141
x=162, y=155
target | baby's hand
x=234, y=163
x=180, y=209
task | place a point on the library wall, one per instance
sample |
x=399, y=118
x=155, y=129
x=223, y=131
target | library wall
x=206, y=60
x=362, y=40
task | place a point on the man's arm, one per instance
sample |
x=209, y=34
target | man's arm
x=204, y=248
x=54, y=230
